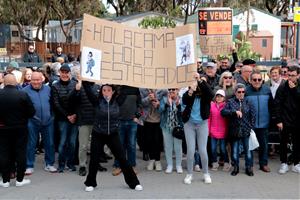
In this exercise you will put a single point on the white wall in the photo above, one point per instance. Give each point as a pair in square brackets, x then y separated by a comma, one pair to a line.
[264, 22]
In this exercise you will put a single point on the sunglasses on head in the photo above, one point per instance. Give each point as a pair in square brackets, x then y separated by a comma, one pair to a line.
[241, 92]
[227, 77]
[172, 89]
[256, 79]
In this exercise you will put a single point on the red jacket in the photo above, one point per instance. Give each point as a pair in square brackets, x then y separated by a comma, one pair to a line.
[217, 125]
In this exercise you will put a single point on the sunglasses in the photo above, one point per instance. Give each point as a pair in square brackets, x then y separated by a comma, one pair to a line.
[171, 89]
[256, 79]
[240, 92]
[227, 77]
[283, 72]
[292, 75]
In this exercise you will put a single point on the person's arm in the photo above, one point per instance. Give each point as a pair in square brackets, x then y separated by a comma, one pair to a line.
[30, 110]
[89, 92]
[235, 60]
[207, 91]
[228, 110]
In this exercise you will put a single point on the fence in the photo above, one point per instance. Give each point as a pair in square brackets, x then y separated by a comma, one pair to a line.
[16, 50]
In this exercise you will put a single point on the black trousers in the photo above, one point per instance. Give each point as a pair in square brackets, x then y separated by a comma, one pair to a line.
[114, 143]
[13, 143]
[284, 139]
[153, 140]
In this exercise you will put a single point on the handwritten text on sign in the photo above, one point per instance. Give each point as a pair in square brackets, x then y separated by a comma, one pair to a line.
[137, 57]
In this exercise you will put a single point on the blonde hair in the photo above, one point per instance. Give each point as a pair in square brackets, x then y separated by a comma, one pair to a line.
[226, 73]
[24, 72]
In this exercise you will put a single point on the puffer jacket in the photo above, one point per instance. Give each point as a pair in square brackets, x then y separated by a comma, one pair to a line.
[63, 104]
[239, 127]
[261, 100]
[217, 124]
[107, 113]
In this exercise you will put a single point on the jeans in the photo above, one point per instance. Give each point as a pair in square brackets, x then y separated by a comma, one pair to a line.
[113, 142]
[214, 144]
[127, 131]
[262, 137]
[196, 133]
[236, 152]
[284, 140]
[67, 143]
[171, 143]
[47, 133]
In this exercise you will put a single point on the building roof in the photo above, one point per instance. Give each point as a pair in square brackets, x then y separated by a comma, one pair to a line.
[258, 34]
[239, 11]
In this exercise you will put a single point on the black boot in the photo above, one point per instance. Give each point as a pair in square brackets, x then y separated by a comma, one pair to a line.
[249, 171]
[235, 171]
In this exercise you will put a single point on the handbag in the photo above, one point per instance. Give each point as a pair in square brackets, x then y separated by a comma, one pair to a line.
[178, 132]
[253, 142]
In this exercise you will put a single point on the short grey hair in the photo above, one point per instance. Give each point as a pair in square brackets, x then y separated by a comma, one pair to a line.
[238, 86]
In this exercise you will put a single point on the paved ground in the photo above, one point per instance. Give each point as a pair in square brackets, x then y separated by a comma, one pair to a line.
[69, 185]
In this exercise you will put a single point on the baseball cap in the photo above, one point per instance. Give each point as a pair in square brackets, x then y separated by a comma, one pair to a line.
[65, 67]
[211, 64]
[220, 92]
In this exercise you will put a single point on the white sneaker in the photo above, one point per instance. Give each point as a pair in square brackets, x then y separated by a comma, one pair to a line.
[215, 166]
[158, 166]
[150, 165]
[89, 188]
[197, 168]
[169, 169]
[29, 171]
[50, 168]
[284, 168]
[138, 188]
[179, 169]
[22, 183]
[5, 185]
[296, 168]
[188, 179]
[207, 178]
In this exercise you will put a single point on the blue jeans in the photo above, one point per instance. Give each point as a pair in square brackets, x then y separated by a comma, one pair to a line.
[236, 152]
[262, 137]
[47, 134]
[171, 143]
[67, 143]
[127, 134]
[214, 144]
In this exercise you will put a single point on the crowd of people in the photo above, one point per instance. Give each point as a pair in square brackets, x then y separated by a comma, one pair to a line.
[210, 121]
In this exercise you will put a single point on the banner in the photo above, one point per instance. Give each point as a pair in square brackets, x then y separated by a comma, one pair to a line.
[215, 30]
[148, 58]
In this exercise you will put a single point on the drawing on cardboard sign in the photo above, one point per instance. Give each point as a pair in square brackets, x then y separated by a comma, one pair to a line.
[184, 50]
[91, 63]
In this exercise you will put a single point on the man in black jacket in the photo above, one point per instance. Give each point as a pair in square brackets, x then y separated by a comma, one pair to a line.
[287, 113]
[15, 110]
[60, 54]
[65, 114]
[31, 56]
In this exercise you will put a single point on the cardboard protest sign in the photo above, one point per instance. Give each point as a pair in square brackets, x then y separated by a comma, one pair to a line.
[117, 54]
[215, 30]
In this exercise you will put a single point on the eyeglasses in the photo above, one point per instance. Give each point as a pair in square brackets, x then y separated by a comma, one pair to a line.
[240, 92]
[172, 89]
[256, 79]
[227, 77]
